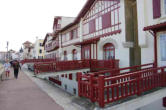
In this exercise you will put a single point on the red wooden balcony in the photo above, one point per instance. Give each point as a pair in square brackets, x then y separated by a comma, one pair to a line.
[107, 87]
[52, 45]
[93, 65]
[98, 65]
[36, 60]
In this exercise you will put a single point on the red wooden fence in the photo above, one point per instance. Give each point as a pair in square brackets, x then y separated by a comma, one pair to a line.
[106, 89]
[76, 64]
[36, 60]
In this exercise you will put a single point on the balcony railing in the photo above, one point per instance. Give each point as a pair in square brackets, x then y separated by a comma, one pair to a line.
[103, 88]
[52, 45]
[36, 60]
[77, 64]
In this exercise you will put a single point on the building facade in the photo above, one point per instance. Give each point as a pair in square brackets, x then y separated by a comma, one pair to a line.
[50, 42]
[38, 49]
[130, 31]
[28, 50]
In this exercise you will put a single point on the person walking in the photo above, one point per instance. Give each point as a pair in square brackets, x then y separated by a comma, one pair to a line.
[7, 68]
[16, 67]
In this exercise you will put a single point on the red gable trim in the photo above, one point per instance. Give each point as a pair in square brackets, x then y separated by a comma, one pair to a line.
[48, 34]
[88, 41]
[156, 27]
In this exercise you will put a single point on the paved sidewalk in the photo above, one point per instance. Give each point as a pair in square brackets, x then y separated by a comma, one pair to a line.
[24, 94]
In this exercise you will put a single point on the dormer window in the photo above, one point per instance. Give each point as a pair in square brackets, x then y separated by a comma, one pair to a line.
[59, 21]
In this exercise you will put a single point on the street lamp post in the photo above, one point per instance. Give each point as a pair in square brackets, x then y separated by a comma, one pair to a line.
[7, 50]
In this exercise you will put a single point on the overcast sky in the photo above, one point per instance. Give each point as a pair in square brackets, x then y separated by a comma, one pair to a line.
[22, 20]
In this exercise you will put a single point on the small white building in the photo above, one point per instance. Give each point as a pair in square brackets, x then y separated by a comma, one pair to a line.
[28, 52]
[51, 43]
[38, 49]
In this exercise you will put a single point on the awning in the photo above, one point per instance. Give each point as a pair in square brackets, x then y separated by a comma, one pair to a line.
[88, 41]
[156, 27]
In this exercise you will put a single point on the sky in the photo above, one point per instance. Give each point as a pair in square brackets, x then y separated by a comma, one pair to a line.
[24, 20]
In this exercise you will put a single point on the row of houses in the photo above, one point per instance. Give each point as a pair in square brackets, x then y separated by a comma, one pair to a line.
[129, 30]
[33, 50]
[132, 32]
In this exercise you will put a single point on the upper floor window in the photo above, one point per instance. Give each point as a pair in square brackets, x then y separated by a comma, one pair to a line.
[163, 47]
[86, 28]
[59, 21]
[65, 55]
[73, 34]
[106, 20]
[98, 23]
[74, 52]
[92, 26]
[40, 44]
[40, 51]
[109, 51]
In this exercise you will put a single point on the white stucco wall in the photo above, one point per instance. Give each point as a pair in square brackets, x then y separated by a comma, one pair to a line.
[66, 20]
[69, 50]
[146, 40]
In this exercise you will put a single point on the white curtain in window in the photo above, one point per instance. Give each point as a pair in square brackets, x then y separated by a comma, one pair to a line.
[163, 47]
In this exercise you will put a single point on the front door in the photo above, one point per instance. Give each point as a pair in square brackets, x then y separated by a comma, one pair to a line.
[162, 50]
[86, 52]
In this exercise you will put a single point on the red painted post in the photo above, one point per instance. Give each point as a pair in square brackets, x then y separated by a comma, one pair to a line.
[79, 83]
[155, 50]
[163, 77]
[101, 90]
[91, 87]
[138, 84]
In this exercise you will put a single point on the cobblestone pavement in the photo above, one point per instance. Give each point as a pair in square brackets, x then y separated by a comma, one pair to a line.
[24, 94]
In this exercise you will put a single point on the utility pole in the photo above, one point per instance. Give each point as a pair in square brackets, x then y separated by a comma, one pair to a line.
[7, 50]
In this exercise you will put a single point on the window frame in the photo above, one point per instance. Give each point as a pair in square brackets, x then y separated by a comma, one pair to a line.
[164, 45]
[65, 55]
[74, 54]
[108, 48]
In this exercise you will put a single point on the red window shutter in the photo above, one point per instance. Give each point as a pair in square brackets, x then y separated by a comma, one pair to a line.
[156, 8]
[70, 76]
[71, 34]
[92, 26]
[66, 75]
[106, 20]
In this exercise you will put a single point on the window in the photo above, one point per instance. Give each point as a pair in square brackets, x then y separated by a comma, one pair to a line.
[40, 51]
[163, 47]
[40, 44]
[156, 9]
[70, 76]
[86, 28]
[92, 26]
[74, 52]
[85, 52]
[65, 55]
[73, 34]
[106, 20]
[109, 51]
[98, 23]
